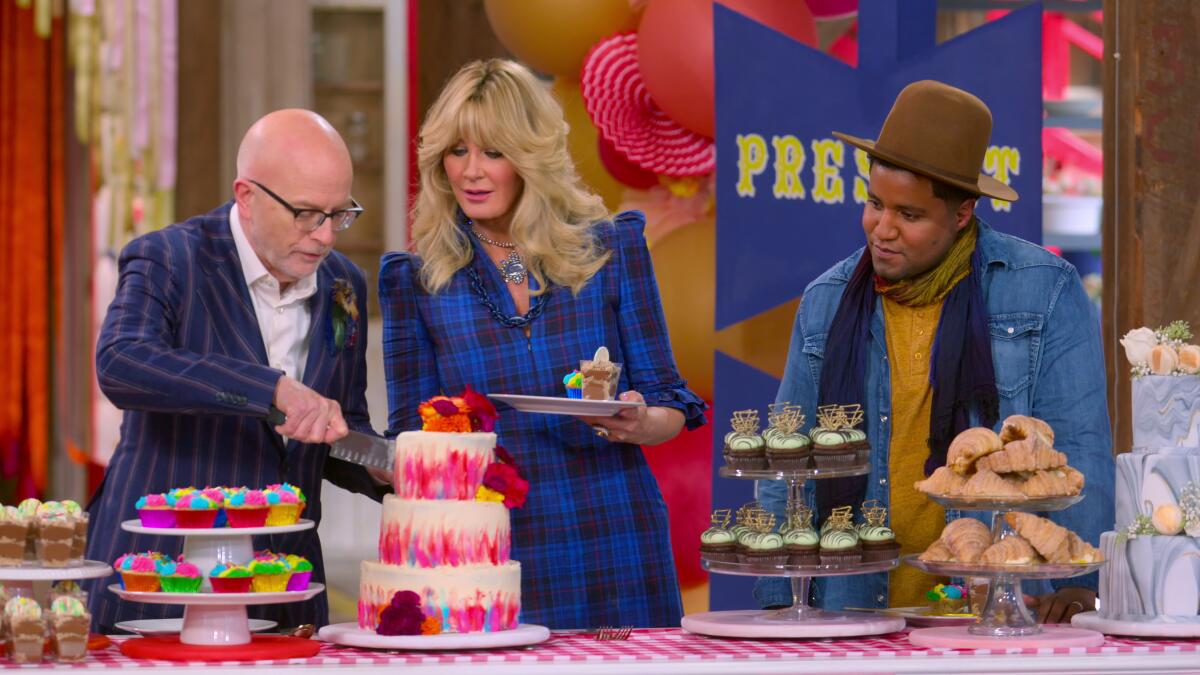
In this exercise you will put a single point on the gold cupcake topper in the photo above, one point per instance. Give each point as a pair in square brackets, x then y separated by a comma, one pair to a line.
[830, 417]
[841, 517]
[874, 513]
[721, 517]
[788, 420]
[745, 513]
[762, 520]
[852, 415]
[745, 421]
[799, 517]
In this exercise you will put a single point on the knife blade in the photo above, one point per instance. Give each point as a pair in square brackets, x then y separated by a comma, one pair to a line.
[365, 449]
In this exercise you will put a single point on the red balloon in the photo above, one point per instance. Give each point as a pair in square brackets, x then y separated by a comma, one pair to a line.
[626, 172]
[675, 51]
[683, 468]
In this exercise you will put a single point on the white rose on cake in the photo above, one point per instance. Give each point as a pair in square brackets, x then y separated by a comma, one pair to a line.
[1138, 344]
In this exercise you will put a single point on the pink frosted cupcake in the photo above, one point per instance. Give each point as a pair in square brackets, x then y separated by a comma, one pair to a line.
[139, 571]
[218, 496]
[286, 501]
[247, 508]
[156, 510]
[194, 510]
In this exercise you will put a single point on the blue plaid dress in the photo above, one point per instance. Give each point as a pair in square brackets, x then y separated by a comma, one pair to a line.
[593, 538]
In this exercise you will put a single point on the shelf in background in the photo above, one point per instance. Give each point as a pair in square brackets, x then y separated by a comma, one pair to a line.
[349, 87]
[1072, 242]
[1087, 122]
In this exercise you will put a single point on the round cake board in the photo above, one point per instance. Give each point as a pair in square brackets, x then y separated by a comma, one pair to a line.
[351, 635]
[754, 623]
[1151, 626]
[261, 648]
[957, 637]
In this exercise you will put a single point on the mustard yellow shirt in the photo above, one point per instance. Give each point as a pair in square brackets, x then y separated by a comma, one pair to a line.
[916, 519]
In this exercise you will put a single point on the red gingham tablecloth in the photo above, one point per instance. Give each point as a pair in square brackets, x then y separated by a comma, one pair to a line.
[666, 644]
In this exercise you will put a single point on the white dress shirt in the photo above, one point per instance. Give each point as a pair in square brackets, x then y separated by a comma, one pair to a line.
[283, 319]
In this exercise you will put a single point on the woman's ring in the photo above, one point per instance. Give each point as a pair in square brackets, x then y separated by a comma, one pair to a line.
[602, 432]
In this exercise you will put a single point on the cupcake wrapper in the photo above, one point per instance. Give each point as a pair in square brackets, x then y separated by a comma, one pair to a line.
[222, 519]
[271, 583]
[252, 517]
[284, 514]
[139, 582]
[180, 584]
[231, 584]
[574, 393]
[195, 518]
[299, 581]
[157, 517]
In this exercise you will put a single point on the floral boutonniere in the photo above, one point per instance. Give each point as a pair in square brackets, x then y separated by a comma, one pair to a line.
[343, 318]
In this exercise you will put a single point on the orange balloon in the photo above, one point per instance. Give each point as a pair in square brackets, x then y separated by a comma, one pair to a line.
[675, 51]
[582, 143]
[685, 262]
[553, 36]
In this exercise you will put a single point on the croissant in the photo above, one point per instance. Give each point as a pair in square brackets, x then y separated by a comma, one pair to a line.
[987, 483]
[1061, 482]
[967, 539]
[942, 481]
[1018, 427]
[937, 552]
[1075, 550]
[1027, 454]
[1045, 535]
[1011, 550]
[969, 446]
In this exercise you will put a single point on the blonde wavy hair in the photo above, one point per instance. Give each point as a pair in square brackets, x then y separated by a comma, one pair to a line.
[500, 105]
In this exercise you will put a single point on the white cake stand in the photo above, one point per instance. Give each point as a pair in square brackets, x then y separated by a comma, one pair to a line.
[1137, 625]
[801, 620]
[351, 635]
[216, 618]
[1005, 621]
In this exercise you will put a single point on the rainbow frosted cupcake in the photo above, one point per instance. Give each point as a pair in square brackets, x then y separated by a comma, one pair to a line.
[230, 578]
[270, 576]
[247, 508]
[286, 501]
[156, 510]
[139, 571]
[179, 577]
[302, 571]
[218, 496]
[573, 381]
[194, 510]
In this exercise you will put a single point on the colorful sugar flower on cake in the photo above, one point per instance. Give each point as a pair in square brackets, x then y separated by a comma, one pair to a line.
[285, 502]
[502, 482]
[403, 616]
[573, 381]
[469, 412]
[194, 510]
[139, 571]
[247, 508]
[179, 576]
[156, 510]
[230, 578]
[270, 576]
[302, 571]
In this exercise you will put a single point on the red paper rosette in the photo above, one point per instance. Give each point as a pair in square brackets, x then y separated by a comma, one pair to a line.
[621, 108]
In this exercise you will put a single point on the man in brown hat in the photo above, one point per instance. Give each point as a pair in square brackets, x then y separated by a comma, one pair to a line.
[939, 324]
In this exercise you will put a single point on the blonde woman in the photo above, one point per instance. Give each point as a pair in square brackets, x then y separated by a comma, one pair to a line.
[518, 274]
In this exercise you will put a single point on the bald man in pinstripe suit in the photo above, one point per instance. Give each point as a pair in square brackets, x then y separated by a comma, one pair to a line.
[216, 320]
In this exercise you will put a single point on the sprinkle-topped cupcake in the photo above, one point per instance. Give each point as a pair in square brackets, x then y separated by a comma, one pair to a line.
[286, 501]
[179, 577]
[156, 509]
[744, 448]
[194, 510]
[270, 576]
[230, 578]
[247, 508]
[139, 571]
[718, 543]
[302, 571]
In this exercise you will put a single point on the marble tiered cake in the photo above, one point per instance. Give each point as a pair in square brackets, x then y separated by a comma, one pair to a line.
[1153, 573]
[445, 535]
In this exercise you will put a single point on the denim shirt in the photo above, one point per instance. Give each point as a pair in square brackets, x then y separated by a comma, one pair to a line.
[1049, 364]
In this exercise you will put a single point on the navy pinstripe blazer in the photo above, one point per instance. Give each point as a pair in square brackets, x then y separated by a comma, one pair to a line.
[181, 353]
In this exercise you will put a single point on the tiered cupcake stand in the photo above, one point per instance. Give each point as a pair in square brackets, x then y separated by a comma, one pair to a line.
[216, 620]
[1005, 621]
[800, 620]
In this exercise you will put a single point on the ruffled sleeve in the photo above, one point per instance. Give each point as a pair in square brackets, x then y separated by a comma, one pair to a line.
[649, 362]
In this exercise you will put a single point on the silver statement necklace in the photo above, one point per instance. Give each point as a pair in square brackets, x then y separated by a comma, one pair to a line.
[512, 268]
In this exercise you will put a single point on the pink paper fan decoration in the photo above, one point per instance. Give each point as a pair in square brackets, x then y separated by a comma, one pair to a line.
[622, 110]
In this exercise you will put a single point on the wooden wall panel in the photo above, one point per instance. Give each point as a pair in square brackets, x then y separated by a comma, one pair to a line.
[198, 188]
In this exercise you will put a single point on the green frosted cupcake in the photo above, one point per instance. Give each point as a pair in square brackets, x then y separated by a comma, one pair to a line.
[178, 577]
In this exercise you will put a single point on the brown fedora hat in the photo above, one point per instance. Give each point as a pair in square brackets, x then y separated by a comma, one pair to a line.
[940, 132]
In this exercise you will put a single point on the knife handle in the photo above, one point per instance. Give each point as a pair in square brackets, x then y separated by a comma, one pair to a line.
[275, 416]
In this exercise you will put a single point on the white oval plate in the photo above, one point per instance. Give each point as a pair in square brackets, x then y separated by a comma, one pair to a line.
[556, 405]
[135, 526]
[152, 627]
[351, 635]
[217, 599]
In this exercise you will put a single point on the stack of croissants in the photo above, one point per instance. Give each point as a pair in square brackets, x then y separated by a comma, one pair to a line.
[1017, 464]
[1033, 540]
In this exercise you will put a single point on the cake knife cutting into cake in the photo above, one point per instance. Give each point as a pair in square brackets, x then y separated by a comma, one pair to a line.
[365, 449]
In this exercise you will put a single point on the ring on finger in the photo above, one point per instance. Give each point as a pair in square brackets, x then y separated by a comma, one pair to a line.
[601, 431]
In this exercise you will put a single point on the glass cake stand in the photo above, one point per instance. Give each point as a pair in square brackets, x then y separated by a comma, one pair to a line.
[1005, 621]
[216, 618]
[801, 620]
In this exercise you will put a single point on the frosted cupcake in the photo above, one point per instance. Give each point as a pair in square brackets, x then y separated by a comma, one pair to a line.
[302, 571]
[156, 510]
[69, 622]
[800, 540]
[573, 382]
[28, 508]
[247, 508]
[218, 495]
[194, 510]
[139, 572]
[718, 542]
[786, 448]
[230, 578]
[179, 577]
[286, 501]
[14, 534]
[270, 576]
[839, 544]
[744, 448]
[27, 629]
[877, 539]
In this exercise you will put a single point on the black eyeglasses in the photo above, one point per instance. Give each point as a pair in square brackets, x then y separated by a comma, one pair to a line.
[309, 220]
